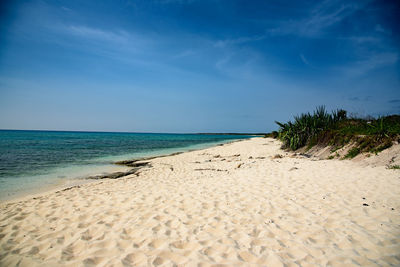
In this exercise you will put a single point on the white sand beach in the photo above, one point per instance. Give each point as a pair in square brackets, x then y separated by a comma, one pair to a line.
[233, 205]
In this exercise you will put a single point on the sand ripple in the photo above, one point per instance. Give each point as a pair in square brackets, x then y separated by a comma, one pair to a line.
[232, 205]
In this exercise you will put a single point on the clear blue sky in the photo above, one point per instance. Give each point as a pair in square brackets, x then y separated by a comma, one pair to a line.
[193, 65]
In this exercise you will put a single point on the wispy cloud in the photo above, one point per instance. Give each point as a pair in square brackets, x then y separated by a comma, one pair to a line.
[151, 52]
[375, 61]
[240, 40]
[95, 33]
[322, 16]
[118, 45]
[175, 1]
[379, 28]
[363, 39]
[185, 53]
[66, 9]
[220, 63]
[304, 59]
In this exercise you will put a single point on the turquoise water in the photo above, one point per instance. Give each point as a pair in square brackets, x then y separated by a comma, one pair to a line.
[32, 160]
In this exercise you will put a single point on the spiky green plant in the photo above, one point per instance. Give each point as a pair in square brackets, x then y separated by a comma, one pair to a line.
[336, 130]
[306, 126]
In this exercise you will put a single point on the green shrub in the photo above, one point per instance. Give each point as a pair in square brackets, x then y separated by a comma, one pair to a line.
[305, 127]
[336, 129]
[352, 153]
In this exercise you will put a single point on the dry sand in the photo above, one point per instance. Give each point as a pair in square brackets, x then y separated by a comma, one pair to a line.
[235, 204]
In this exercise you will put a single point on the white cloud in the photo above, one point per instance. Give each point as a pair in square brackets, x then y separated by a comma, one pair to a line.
[222, 62]
[363, 39]
[379, 28]
[66, 9]
[185, 53]
[324, 15]
[95, 33]
[304, 59]
[240, 40]
[373, 62]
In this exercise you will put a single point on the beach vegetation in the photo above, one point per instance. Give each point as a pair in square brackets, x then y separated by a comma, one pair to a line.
[352, 153]
[336, 129]
[394, 167]
[305, 128]
[273, 134]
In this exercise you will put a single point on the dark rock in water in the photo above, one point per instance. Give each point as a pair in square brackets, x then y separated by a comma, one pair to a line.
[133, 162]
[126, 162]
[139, 164]
[116, 175]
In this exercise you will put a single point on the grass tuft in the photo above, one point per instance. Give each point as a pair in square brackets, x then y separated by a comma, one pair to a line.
[337, 130]
[394, 167]
[352, 153]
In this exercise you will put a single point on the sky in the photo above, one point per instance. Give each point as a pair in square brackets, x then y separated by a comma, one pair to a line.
[187, 66]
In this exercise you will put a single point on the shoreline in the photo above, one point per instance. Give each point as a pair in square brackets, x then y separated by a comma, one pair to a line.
[75, 182]
[239, 204]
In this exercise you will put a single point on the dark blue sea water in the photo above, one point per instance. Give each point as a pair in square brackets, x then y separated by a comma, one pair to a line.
[30, 160]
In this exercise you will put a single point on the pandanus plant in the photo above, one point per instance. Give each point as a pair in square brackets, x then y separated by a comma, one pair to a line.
[306, 126]
[381, 129]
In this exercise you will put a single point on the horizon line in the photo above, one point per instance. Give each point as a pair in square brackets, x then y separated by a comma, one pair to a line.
[93, 131]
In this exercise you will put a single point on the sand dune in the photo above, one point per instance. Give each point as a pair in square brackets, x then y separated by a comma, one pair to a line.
[232, 205]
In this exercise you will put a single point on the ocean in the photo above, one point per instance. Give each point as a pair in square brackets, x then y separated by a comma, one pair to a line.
[31, 161]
